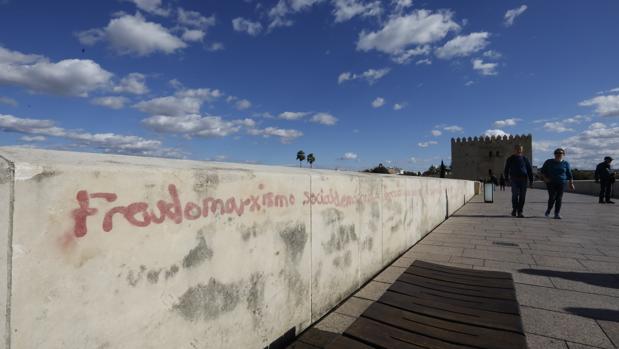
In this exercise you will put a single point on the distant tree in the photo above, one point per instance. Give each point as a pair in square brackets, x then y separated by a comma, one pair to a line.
[300, 157]
[311, 159]
[431, 172]
[443, 170]
[380, 169]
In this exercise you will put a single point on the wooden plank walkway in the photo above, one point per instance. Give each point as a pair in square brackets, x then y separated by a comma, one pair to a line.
[435, 306]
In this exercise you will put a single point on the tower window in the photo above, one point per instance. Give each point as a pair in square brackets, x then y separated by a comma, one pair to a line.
[490, 154]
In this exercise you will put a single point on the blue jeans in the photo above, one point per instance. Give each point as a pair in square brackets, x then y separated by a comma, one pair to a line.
[555, 195]
[519, 194]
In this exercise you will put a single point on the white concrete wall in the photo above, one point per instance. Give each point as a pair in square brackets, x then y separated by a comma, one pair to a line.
[241, 255]
[584, 187]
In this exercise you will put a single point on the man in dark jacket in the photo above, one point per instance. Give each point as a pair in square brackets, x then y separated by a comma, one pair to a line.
[518, 170]
[604, 175]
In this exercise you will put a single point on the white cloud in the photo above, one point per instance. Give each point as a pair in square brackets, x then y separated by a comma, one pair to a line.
[426, 144]
[347, 9]
[216, 46]
[112, 102]
[556, 126]
[8, 101]
[462, 46]
[134, 83]
[371, 75]
[243, 104]
[436, 133]
[134, 35]
[108, 142]
[244, 25]
[188, 101]
[378, 102]
[453, 128]
[71, 77]
[193, 35]
[349, 156]
[506, 122]
[577, 119]
[285, 135]
[401, 5]
[484, 68]
[511, 15]
[196, 125]
[289, 115]
[278, 13]
[604, 105]
[151, 6]
[496, 132]
[469, 83]
[423, 61]
[587, 148]
[33, 138]
[324, 118]
[405, 56]
[417, 28]
[491, 54]
[194, 19]
[399, 106]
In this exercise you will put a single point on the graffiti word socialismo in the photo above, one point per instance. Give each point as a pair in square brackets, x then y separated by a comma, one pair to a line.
[173, 209]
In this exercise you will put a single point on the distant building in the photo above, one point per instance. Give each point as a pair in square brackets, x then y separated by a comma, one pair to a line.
[471, 158]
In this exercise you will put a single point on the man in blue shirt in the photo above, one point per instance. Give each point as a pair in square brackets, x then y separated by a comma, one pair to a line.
[518, 170]
[556, 172]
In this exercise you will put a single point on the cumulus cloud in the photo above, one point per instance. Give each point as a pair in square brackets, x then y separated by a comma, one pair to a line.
[378, 102]
[604, 105]
[510, 16]
[289, 115]
[423, 61]
[462, 46]
[324, 119]
[556, 126]
[194, 19]
[196, 125]
[33, 138]
[242, 104]
[495, 132]
[453, 128]
[484, 68]
[344, 10]
[129, 34]
[426, 144]
[187, 101]
[399, 106]
[241, 24]
[134, 83]
[405, 56]
[420, 27]
[193, 35]
[436, 133]
[151, 6]
[371, 76]
[349, 156]
[8, 101]
[506, 122]
[279, 13]
[401, 5]
[70, 77]
[587, 148]
[491, 54]
[112, 102]
[109, 142]
[285, 135]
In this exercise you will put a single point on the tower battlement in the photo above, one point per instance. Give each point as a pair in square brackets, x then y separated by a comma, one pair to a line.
[473, 157]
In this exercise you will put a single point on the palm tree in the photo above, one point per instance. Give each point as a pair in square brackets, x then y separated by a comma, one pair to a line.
[300, 157]
[311, 159]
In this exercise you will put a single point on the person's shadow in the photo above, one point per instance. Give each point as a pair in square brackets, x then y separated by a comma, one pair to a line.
[607, 280]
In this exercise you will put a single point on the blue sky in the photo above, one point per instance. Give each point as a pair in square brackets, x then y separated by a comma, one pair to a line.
[356, 82]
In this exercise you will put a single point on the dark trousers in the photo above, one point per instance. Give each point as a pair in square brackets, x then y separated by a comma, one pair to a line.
[555, 195]
[605, 189]
[519, 194]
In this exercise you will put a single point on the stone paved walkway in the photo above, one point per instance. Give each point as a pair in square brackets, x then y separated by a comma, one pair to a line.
[566, 271]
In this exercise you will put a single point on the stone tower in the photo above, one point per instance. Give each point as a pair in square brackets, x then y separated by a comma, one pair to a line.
[471, 158]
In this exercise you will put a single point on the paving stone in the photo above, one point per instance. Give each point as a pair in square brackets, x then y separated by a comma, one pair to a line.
[519, 277]
[443, 250]
[466, 260]
[540, 342]
[562, 300]
[390, 274]
[550, 261]
[611, 328]
[354, 306]
[498, 256]
[403, 262]
[550, 247]
[430, 257]
[601, 266]
[373, 290]
[335, 323]
[571, 345]
[565, 326]
[598, 283]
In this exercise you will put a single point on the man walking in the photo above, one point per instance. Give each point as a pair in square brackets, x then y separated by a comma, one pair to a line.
[518, 170]
[604, 175]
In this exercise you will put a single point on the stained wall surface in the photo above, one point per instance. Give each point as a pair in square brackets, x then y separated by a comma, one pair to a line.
[104, 251]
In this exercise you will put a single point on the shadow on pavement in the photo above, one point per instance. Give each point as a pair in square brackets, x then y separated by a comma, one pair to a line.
[597, 279]
[597, 314]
